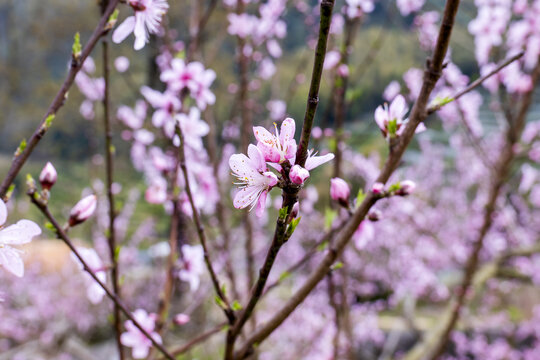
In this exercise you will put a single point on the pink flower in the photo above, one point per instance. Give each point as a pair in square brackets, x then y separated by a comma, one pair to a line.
[279, 147]
[134, 118]
[20, 233]
[391, 118]
[339, 190]
[254, 179]
[94, 291]
[167, 105]
[146, 21]
[135, 339]
[298, 174]
[192, 265]
[193, 128]
[82, 210]
[364, 234]
[156, 193]
[409, 6]
[48, 176]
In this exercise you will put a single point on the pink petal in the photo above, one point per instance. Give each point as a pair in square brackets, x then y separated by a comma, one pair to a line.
[20, 233]
[246, 196]
[261, 204]
[398, 108]
[264, 136]
[380, 117]
[256, 157]
[288, 128]
[123, 30]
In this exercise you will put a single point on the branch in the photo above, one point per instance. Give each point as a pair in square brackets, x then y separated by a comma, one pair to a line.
[478, 82]
[117, 301]
[327, 6]
[200, 229]
[109, 183]
[58, 101]
[418, 114]
[198, 339]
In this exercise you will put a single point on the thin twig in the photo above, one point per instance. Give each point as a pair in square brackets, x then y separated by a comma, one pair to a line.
[117, 301]
[58, 101]
[200, 229]
[109, 167]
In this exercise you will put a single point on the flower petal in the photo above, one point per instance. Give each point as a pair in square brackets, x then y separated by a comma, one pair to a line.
[123, 30]
[313, 161]
[247, 196]
[261, 204]
[20, 233]
[10, 260]
[256, 157]
[288, 128]
[3, 212]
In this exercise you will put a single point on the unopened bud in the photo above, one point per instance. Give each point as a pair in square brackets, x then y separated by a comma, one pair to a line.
[340, 191]
[181, 319]
[82, 210]
[48, 176]
[295, 210]
[298, 174]
[374, 215]
[407, 187]
[377, 188]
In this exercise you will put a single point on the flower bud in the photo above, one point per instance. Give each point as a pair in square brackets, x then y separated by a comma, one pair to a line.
[374, 215]
[407, 187]
[82, 210]
[181, 319]
[377, 188]
[298, 174]
[340, 191]
[48, 176]
[295, 210]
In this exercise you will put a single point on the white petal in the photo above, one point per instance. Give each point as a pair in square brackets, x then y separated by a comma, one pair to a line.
[313, 161]
[3, 212]
[20, 233]
[123, 30]
[10, 260]
[247, 196]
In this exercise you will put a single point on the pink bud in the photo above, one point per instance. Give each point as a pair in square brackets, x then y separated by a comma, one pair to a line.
[343, 70]
[298, 174]
[82, 210]
[377, 188]
[407, 187]
[295, 210]
[339, 190]
[181, 319]
[48, 176]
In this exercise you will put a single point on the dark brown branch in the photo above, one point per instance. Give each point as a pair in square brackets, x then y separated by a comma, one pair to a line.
[117, 301]
[58, 101]
[109, 172]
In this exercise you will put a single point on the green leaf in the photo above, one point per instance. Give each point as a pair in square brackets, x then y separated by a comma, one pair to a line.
[9, 191]
[322, 246]
[76, 49]
[394, 187]
[392, 127]
[117, 252]
[283, 213]
[236, 305]
[360, 197]
[284, 275]
[329, 216]
[441, 101]
[49, 120]
[30, 181]
[21, 148]
[50, 226]
[220, 302]
[292, 226]
[337, 265]
[112, 19]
